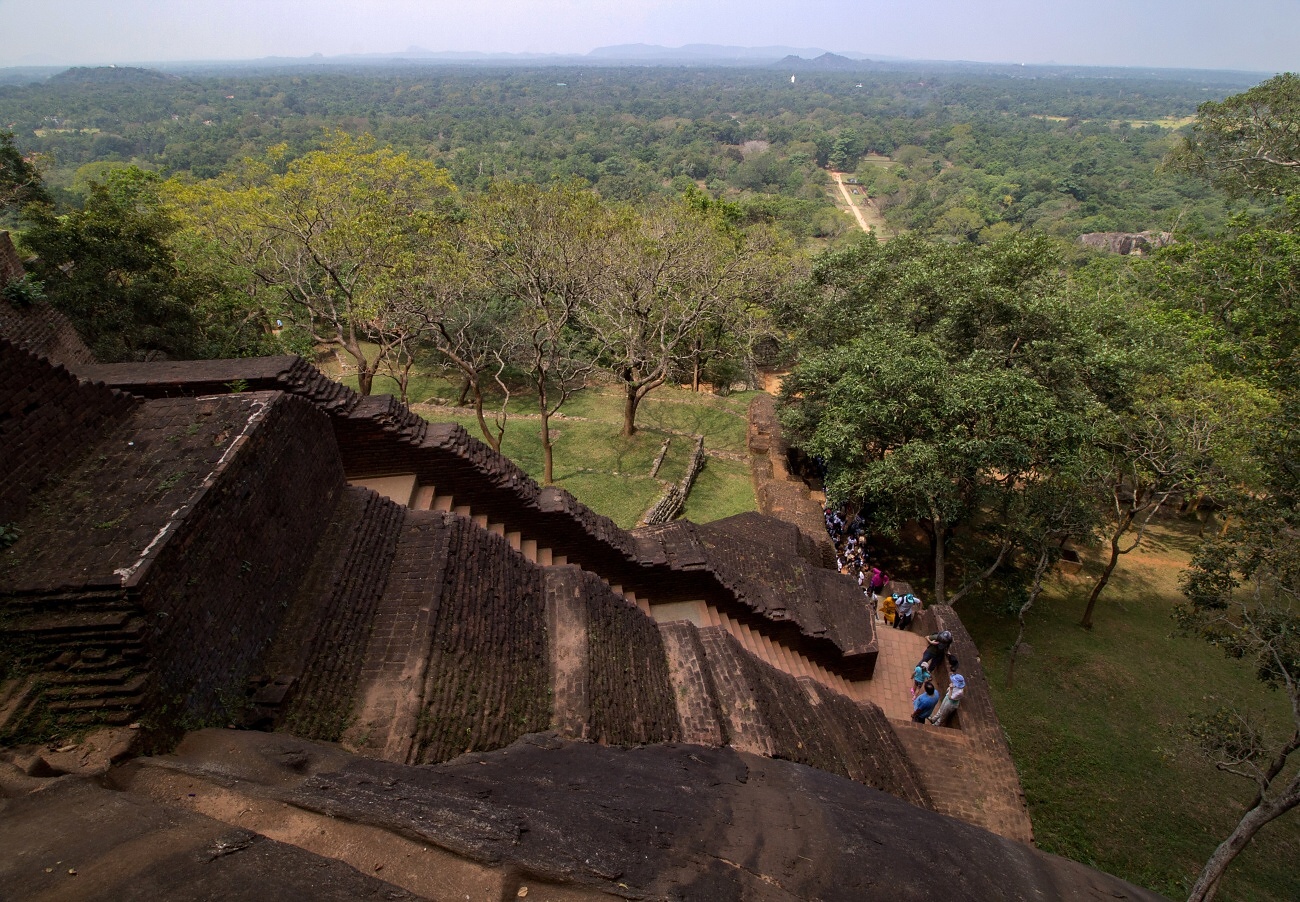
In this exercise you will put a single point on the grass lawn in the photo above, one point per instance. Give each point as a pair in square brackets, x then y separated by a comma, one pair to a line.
[1096, 722]
[604, 469]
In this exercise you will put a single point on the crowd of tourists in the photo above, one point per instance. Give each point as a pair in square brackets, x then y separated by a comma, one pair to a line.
[898, 609]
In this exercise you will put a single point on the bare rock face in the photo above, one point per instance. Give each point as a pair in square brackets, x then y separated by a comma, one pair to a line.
[1127, 243]
[237, 815]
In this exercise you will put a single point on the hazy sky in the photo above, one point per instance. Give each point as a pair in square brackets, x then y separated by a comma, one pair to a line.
[1261, 35]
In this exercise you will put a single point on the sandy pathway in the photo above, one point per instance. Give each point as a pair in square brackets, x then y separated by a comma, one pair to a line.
[857, 214]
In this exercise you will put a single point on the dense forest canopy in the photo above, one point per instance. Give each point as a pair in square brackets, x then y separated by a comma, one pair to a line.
[533, 232]
[977, 151]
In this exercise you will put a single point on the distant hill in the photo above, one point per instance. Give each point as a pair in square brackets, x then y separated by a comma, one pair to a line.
[827, 62]
[700, 53]
[110, 75]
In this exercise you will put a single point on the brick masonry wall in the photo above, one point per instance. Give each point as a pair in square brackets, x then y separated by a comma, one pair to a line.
[781, 716]
[47, 418]
[218, 589]
[696, 696]
[487, 681]
[320, 648]
[631, 694]
[377, 436]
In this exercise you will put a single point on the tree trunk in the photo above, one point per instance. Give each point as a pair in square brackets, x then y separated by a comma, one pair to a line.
[1207, 884]
[1118, 534]
[548, 459]
[365, 380]
[494, 441]
[630, 403]
[937, 540]
[465, 386]
[1039, 571]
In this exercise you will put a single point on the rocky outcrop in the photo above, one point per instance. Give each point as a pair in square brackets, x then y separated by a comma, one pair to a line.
[1134, 243]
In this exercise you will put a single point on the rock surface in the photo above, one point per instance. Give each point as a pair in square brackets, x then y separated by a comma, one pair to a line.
[253, 815]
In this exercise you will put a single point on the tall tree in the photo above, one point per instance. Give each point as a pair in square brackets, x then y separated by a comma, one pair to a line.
[20, 178]
[1243, 590]
[1184, 437]
[955, 374]
[1250, 142]
[543, 249]
[111, 268]
[674, 278]
[326, 231]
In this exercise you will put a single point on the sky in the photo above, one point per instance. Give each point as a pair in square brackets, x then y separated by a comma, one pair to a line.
[1255, 35]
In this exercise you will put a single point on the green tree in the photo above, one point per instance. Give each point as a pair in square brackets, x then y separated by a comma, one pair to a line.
[1250, 142]
[673, 278]
[955, 374]
[1185, 436]
[1243, 591]
[321, 237]
[111, 268]
[20, 179]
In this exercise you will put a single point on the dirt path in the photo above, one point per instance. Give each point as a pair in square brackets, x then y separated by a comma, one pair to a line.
[869, 218]
[853, 208]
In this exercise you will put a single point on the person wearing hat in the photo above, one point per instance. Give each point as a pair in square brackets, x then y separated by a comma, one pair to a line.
[952, 698]
[937, 648]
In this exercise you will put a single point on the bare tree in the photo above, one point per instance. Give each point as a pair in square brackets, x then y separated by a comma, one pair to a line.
[543, 249]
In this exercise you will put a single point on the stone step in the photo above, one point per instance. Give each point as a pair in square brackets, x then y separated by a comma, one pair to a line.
[99, 702]
[74, 681]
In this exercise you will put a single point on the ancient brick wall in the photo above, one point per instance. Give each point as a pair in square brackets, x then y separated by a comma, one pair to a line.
[47, 418]
[314, 667]
[623, 668]
[218, 588]
[773, 713]
[377, 436]
[487, 680]
[779, 494]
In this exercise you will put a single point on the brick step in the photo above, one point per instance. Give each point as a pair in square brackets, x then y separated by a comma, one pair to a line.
[127, 703]
[77, 621]
[127, 687]
[86, 636]
[114, 718]
[75, 680]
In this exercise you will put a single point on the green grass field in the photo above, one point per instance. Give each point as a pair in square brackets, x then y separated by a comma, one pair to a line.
[1097, 725]
[610, 472]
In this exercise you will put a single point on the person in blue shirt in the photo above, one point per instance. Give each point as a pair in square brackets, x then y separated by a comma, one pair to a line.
[919, 677]
[924, 703]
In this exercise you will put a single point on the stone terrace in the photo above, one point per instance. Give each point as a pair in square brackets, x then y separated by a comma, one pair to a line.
[473, 606]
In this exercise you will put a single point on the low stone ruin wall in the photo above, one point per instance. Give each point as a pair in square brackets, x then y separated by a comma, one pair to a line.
[780, 494]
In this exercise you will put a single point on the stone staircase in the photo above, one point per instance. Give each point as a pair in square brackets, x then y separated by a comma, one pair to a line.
[81, 660]
[316, 661]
